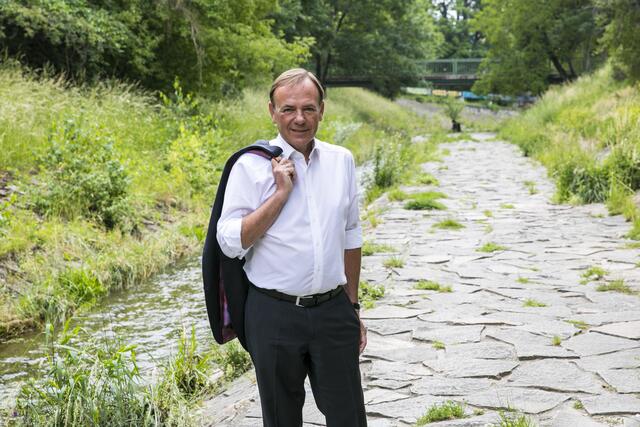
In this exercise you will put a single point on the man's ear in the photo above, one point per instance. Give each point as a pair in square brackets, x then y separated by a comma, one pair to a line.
[321, 110]
[272, 111]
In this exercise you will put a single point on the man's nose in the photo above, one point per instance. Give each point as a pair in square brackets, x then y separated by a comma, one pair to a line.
[299, 116]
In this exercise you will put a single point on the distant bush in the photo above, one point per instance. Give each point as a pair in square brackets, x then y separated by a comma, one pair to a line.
[81, 176]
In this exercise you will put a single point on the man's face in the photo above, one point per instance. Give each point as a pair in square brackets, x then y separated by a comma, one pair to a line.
[296, 111]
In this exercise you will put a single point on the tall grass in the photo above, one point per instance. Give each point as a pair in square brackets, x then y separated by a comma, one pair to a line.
[588, 136]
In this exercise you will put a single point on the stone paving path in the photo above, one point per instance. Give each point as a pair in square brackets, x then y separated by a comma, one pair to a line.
[494, 352]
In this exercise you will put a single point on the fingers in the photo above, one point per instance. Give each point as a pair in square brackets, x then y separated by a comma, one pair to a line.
[363, 337]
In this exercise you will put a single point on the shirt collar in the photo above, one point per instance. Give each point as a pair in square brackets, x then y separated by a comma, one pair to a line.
[288, 150]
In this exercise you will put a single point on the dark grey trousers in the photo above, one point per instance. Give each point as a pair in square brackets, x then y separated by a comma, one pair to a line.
[287, 343]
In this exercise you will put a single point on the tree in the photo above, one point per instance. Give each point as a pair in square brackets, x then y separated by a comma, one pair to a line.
[621, 19]
[381, 40]
[530, 39]
[453, 20]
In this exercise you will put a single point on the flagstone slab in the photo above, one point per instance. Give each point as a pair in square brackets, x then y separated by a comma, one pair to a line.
[611, 404]
[391, 312]
[597, 319]
[405, 410]
[623, 380]
[391, 326]
[481, 350]
[630, 330]
[377, 395]
[529, 345]
[571, 418]
[627, 359]
[555, 375]
[483, 420]
[592, 343]
[527, 400]
[460, 367]
[440, 386]
[449, 335]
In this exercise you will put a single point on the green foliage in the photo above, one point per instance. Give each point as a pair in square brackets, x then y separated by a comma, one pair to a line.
[425, 201]
[530, 39]
[427, 179]
[454, 22]
[369, 248]
[393, 262]
[523, 280]
[232, 359]
[593, 273]
[531, 186]
[216, 47]
[430, 285]
[530, 302]
[621, 18]
[491, 247]
[578, 324]
[87, 385]
[453, 108]
[617, 285]
[578, 405]
[368, 294]
[397, 195]
[556, 340]
[507, 206]
[81, 176]
[448, 410]
[348, 35]
[513, 419]
[448, 224]
[438, 345]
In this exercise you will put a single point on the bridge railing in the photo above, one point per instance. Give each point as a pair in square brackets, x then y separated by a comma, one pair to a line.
[450, 67]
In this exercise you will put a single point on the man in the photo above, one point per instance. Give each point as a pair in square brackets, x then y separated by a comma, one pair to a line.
[295, 221]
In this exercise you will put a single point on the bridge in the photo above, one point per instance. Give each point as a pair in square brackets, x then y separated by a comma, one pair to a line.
[453, 74]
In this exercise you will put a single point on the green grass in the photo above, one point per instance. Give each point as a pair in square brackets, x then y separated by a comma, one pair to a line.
[429, 285]
[529, 302]
[556, 340]
[578, 405]
[513, 419]
[426, 179]
[448, 224]
[571, 128]
[617, 285]
[426, 201]
[491, 247]
[507, 206]
[487, 213]
[396, 195]
[393, 262]
[593, 273]
[579, 324]
[531, 186]
[448, 410]
[368, 294]
[523, 280]
[370, 248]
[438, 345]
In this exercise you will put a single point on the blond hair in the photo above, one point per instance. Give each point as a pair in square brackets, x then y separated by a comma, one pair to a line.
[293, 77]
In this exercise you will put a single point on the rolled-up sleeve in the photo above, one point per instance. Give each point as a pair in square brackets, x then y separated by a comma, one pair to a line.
[240, 199]
[353, 230]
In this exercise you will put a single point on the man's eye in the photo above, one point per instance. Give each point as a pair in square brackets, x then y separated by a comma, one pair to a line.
[310, 110]
[287, 110]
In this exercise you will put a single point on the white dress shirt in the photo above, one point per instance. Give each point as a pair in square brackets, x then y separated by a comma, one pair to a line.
[302, 253]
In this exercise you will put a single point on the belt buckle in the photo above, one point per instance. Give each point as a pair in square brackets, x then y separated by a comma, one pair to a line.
[298, 301]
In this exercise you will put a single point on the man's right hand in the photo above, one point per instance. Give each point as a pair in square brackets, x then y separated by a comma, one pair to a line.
[284, 173]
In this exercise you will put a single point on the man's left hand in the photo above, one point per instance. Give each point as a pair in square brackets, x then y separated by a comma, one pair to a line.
[363, 336]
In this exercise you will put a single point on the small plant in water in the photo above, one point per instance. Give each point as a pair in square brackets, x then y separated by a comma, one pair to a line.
[393, 262]
[448, 410]
[529, 302]
[491, 247]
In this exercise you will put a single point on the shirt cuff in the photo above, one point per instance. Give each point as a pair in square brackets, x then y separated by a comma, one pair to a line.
[228, 236]
[353, 238]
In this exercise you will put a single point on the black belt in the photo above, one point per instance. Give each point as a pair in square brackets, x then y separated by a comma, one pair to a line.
[306, 301]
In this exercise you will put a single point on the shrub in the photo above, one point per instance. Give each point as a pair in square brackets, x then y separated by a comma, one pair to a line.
[82, 177]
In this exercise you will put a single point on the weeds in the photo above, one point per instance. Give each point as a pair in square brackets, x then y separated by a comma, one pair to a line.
[556, 340]
[393, 262]
[579, 324]
[490, 247]
[531, 186]
[427, 179]
[397, 195]
[507, 206]
[425, 201]
[438, 345]
[448, 224]
[530, 302]
[448, 410]
[368, 294]
[513, 420]
[488, 213]
[617, 285]
[370, 248]
[429, 285]
[578, 405]
[523, 280]
[594, 273]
